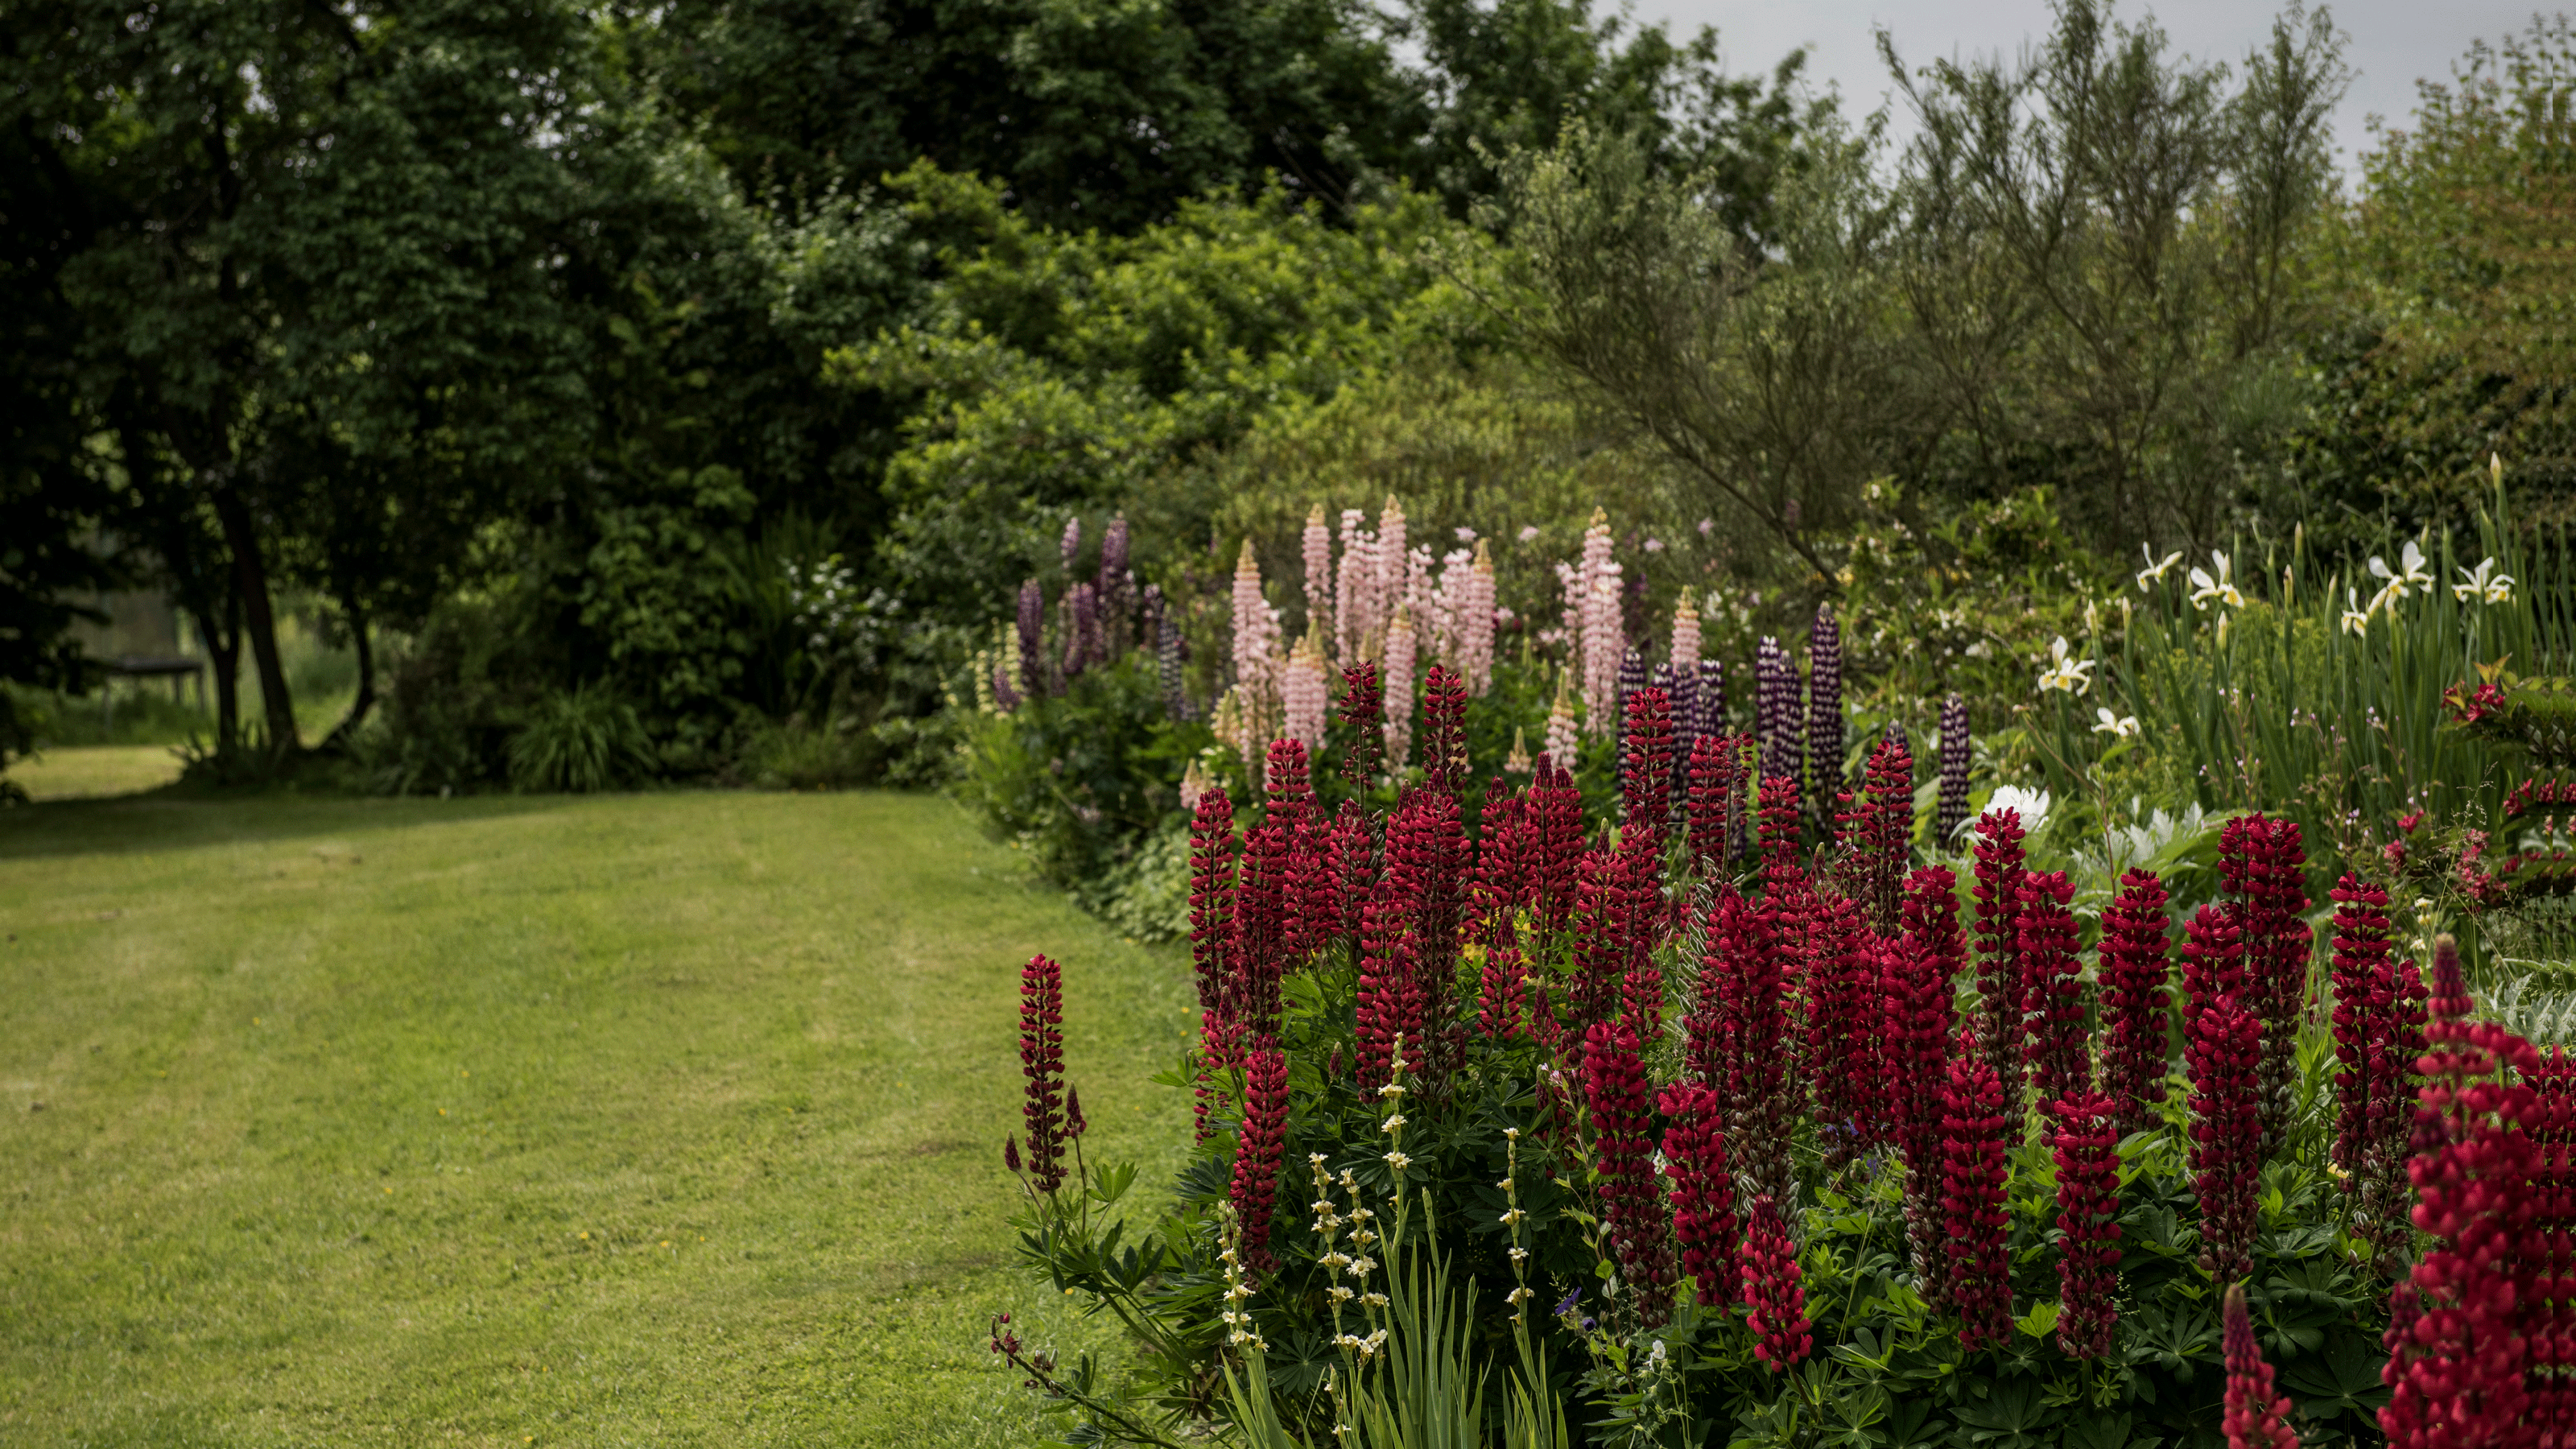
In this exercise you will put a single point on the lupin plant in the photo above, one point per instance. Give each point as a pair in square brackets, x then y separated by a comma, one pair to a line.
[1786, 1149]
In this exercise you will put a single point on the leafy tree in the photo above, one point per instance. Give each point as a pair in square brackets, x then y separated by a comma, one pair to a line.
[2453, 344]
[2101, 260]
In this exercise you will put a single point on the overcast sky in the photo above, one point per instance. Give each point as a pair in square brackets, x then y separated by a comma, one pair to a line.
[2393, 41]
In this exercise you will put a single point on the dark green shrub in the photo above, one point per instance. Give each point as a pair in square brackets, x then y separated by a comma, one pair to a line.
[580, 741]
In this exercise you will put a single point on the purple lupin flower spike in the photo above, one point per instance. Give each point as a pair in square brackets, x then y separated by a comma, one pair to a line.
[1776, 722]
[1952, 810]
[1032, 621]
[1670, 682]
[1824, 776]
[1895, 734]
[1080, 627]
[1117, 588]
[1167, 655]
[1072, 544]
[1709, 699]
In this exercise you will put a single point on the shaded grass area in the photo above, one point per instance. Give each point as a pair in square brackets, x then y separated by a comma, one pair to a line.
[665, 1119]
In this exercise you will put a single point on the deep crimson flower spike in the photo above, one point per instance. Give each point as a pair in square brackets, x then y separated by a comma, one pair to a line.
[2213, 961]
[1600, 941]
[1615, 1091]
[1444, 731]
[1703, 1189]
[1717, 777]
[1355, 852]
[1879, 831]
[2084, 1137]
[2457, 1358]
[1749, 1019]
[2256, 1417]
[1386, 994]
[1778, 1304]
[1262, 939]
[1843, 1031]
[1363, 706]
[2262, 864]
[1257, 1150]
[1556, 808]
[1212, 881]
[2226, 1136]
[2132, 966]
[1998, 935]
[1639, 869]
[1647, 781]
[2057, 1050]
[1042, 1062]
[1977, 1267]
[2378, 1036]
[1915, 983]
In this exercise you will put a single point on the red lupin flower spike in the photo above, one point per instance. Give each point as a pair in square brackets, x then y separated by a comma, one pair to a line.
[1600, 940]
[1641, 921]
[1915, 985]
[1703, 1189]
[1977, 1267]
[1556, 808]
[1363, 705]
[1212, 939]
[2057, 1049]
[1257, 1150]
[1842, 1030]
[2084, 1137]
[2545, 1290]
[2132, 967]
[1354, 851]
[2213, 961]
[1261, 934]
[1646, 779]
[1744, 962]
[1615, 1091]
[2262, 864]
[2226, 1136]
[1444, 732]
[1998, 933]
[1716, 792]
[1879, 832]
[2256, 1416]
[1042, 1062]
[2457, 1363]
[1778, 1317]
[1386, 993]
[2375, 1051]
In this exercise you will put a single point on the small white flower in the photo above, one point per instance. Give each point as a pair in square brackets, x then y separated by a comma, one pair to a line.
[2409, 576]
[1375, 1300]
[1391, 1089]
[1398, 1161]
[1466, 534]
[2114, 725]
[1341, 1294]
[2356, 619]
[1518, 1295]
[2154, 572]
[1512, 1218]
[2073, 675]
[2222, 588]
[2483, 585]
[1520, 1255]
[1528, 531]
[1394, 1123]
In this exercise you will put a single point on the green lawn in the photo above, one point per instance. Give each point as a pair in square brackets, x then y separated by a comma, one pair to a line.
[665, 1119]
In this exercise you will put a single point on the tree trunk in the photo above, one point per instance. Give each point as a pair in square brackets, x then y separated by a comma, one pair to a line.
[250, 580]
[366, 700]
[223, 649]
